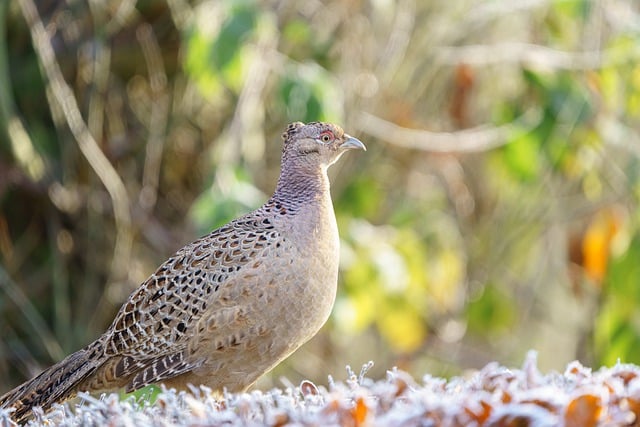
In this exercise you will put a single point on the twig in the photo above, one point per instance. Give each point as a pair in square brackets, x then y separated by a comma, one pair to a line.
[31, 314]
[86, 142]
[125, 11]
[181, 13]
[470, 140]
[532, 55]
[398, 42]
[158, 116]
[21, 144]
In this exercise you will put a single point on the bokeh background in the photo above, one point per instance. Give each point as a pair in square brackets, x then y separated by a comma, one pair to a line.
[495, 211]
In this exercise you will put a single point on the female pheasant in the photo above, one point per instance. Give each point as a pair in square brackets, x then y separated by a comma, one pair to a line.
[228, 307]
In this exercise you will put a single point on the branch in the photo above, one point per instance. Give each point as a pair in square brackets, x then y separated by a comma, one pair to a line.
[532, 55]
[63, 94]
[37, 323]
[158, 116]
[21, 144]
[481, 138]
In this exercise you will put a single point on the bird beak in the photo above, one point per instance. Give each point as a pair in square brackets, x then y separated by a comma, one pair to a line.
[351, 143]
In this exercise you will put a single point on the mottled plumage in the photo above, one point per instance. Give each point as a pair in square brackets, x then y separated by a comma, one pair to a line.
[229, 306]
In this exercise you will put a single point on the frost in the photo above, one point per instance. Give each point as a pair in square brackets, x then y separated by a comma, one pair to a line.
[493, 396]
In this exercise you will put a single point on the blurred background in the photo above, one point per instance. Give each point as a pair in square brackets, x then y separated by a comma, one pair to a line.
[495, 211]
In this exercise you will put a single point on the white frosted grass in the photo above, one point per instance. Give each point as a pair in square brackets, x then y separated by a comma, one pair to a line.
[492, 396]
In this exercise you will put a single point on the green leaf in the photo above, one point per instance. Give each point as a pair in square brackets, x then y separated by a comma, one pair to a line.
[217, 59]
[215, 207]
[309, 93]
[521, 156]
[361, 198]
[233, 33]
[617, 327]
[491, 312]
[297, 32]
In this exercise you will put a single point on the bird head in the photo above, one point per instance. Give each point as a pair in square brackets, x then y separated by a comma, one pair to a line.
[317, 144]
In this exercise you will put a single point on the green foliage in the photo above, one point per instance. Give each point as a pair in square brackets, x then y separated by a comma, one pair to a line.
[617, 330]
[491, 312]
[218, 206]
[362, 198]
[217, 58]
[309, 94]
[521, 156]
[147, 395]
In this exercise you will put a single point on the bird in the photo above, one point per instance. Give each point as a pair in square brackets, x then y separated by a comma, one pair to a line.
[227, 307]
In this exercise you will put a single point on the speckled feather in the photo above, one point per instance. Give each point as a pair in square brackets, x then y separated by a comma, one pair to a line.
[229, 306]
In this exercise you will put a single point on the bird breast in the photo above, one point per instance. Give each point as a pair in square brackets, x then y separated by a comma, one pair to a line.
[314, 243]
[277, 306]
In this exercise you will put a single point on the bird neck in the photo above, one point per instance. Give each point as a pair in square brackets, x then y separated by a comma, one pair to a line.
[300, 185]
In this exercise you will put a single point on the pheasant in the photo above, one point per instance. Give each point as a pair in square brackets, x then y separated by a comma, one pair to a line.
[228, 307]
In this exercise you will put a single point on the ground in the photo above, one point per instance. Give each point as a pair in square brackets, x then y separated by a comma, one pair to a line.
[492, 396]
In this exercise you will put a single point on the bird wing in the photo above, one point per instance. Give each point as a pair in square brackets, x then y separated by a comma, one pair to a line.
[150, 334]
[152, 371]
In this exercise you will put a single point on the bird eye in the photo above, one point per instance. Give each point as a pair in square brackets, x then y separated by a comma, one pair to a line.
[326, 137]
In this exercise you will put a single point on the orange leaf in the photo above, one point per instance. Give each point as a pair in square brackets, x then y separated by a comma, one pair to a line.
[280, 420]
[634, 406]
[596, 243]
[479, 415]
[359, 412]
[583, 411]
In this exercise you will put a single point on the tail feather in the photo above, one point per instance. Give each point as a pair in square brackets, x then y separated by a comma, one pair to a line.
[54, 384]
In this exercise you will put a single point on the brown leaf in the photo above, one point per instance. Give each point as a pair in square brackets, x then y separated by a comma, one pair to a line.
[401, 387]
[545, 404]
[479, 414]
[307, 388]
[627, 375]
[281, 420]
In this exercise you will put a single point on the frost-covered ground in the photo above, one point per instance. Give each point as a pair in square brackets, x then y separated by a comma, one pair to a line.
[493, 396]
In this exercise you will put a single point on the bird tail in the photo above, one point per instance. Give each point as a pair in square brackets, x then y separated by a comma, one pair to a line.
[56, 383]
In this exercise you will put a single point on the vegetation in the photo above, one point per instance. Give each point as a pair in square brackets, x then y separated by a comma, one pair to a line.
[493, 396]
[496, 208]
